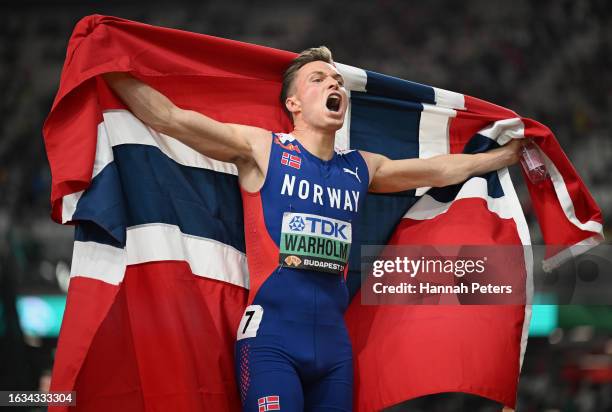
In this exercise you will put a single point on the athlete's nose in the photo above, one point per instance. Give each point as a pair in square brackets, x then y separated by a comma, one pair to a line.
[334, 84]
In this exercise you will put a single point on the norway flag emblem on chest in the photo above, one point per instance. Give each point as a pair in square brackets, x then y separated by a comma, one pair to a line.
[291, 160]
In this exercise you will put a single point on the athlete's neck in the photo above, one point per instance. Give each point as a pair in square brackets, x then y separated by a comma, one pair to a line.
[318, 142]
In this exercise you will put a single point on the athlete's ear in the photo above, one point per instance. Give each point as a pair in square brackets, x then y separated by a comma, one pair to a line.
[293, 104]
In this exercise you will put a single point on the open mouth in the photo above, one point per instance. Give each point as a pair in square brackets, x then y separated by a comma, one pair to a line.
[333, 102]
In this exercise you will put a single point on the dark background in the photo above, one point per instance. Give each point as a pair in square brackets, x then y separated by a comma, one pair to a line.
[548, 60]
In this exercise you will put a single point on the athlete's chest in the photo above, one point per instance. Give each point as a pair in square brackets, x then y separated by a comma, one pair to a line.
[334, 186]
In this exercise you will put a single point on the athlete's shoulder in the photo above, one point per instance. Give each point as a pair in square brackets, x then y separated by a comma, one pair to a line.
[352, 159]
[343, 152]
[283, 137]
[286, 142]
[350, 155]
[372, 159]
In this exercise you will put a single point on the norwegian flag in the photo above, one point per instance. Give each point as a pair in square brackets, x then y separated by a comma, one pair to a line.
[268, 403]
[159, 245]
[291, 160]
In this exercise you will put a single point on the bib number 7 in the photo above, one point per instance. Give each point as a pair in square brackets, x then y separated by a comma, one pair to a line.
[249, 324]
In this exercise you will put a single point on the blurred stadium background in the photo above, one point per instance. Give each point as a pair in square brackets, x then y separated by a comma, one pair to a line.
[548, 60]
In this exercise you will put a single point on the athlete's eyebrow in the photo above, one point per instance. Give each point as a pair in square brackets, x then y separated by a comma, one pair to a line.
[336, 76]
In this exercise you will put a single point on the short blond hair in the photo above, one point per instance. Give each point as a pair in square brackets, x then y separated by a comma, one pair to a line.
[310, 55]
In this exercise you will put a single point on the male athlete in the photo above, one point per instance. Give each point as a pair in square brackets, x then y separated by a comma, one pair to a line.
[300, 197]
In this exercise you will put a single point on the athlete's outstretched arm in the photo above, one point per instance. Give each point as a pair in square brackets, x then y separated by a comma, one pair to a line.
[222, 141]
[388, 175]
